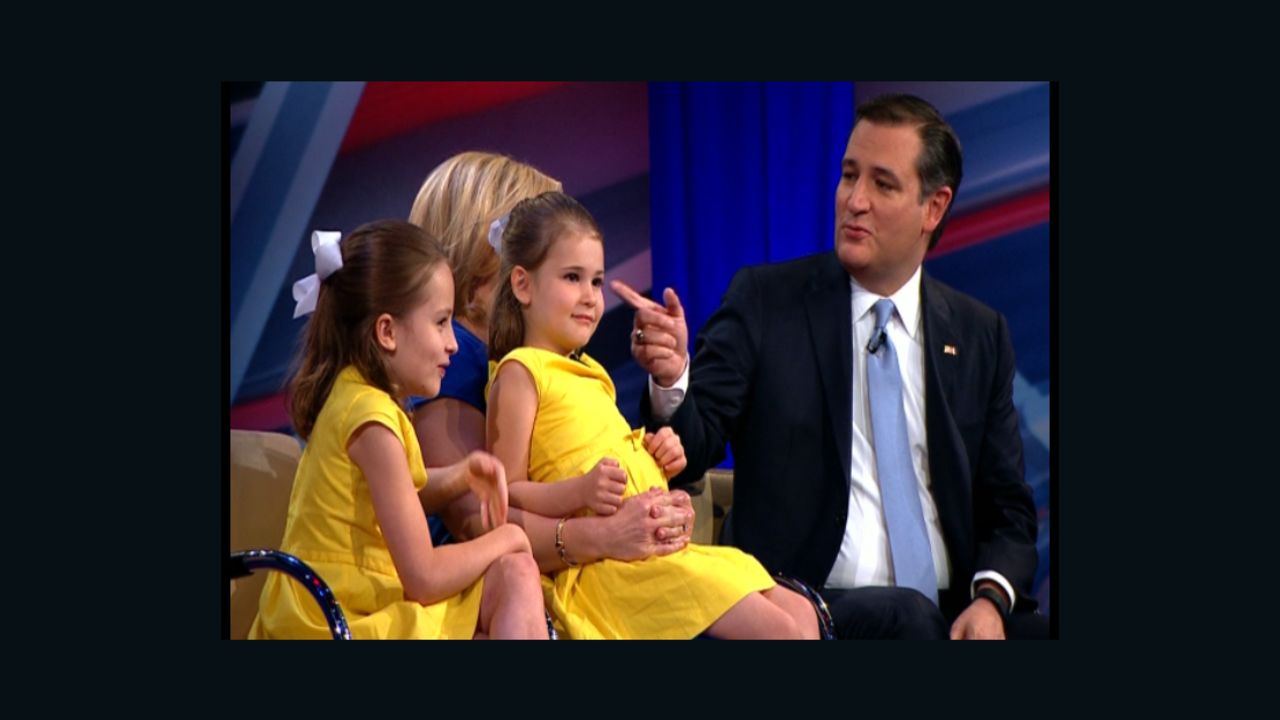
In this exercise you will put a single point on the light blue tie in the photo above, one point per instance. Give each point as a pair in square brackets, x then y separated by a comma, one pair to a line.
[908, 540]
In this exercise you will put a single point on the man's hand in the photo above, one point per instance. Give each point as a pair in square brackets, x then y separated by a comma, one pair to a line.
[980, 621]
[659, 335]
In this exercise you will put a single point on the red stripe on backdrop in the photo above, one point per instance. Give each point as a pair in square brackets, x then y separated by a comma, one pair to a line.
[270, 413]
[993, 222]
[388, 109]
[267, 413]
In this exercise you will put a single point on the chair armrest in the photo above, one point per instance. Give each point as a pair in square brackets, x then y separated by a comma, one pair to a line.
[826, 626]
[240, 564]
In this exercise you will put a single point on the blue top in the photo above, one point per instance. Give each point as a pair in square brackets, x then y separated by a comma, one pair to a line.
[467, 375]
[465, 379]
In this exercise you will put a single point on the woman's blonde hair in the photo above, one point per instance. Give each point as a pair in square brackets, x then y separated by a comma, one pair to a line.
[457, 203]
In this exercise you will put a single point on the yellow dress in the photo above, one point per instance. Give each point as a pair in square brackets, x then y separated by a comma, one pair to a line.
[332, 527]
[675, 596]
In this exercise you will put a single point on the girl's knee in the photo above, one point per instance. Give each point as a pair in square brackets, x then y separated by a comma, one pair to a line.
[807, 624]
[800, 611]
[517, 570]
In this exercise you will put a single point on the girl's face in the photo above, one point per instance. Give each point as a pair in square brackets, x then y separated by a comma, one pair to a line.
[419, 343]
[566, 294]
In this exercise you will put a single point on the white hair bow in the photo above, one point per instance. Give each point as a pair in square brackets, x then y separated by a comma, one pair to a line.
[496, 228]
[324, 243]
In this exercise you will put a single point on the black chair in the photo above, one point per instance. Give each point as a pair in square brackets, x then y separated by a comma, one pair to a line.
[242, 564]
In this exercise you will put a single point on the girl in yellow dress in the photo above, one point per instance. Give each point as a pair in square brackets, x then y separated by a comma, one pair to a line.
[463, 203]
[383, 299]
[554, 423]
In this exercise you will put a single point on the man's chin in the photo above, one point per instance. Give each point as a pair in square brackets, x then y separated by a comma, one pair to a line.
[852, 258]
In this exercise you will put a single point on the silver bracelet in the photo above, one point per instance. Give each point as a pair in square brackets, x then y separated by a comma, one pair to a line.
[564, 556]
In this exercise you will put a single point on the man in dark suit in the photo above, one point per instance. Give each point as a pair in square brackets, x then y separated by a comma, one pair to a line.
[870, 408]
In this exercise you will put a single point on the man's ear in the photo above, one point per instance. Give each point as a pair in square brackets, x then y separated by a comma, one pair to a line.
[520, 280]
[384, 331]
[936, 207]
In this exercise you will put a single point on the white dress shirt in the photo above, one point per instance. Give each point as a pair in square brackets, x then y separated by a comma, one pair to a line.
[864, 557]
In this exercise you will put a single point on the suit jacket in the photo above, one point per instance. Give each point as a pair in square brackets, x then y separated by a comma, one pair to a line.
[772, 373]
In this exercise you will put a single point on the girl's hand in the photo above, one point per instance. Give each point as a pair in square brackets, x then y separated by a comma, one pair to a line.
[487, 478]
[602, 487]
[666, 448]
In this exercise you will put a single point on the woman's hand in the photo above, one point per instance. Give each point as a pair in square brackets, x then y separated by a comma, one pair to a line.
[487, 478]
[652, 523]
[676, 507]
[602, 487]
[666, 448]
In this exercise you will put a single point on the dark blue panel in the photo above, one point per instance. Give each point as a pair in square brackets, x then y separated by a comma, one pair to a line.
[1011, 274]
[622, 211]
[1006, 147]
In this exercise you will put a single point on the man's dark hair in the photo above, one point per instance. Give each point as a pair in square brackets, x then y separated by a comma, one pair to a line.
[940, 162]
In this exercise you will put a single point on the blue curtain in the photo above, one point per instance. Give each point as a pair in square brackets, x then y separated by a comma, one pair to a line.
[740, 174]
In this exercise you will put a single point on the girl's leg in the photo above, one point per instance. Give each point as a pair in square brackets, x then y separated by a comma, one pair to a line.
[798, 608]
[754, 618]
[777, 613]
[511, 604]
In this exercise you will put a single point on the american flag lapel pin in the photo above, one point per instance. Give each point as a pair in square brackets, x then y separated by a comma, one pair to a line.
[948, 349]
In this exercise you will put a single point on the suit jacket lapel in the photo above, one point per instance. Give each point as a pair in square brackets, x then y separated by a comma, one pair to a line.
[948, 461]
[831, 331]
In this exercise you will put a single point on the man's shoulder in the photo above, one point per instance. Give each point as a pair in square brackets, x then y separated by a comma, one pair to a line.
[801, 267]
[791, 275]
[959, 305]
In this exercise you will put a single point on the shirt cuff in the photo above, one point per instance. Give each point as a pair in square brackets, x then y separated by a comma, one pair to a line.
[664, 402]
[999, 580]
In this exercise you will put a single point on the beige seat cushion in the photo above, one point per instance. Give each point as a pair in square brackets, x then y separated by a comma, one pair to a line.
[262, 469]
[720, 488]
[700, 498]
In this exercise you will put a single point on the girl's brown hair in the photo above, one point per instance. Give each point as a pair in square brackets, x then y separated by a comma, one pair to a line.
[385, 269]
